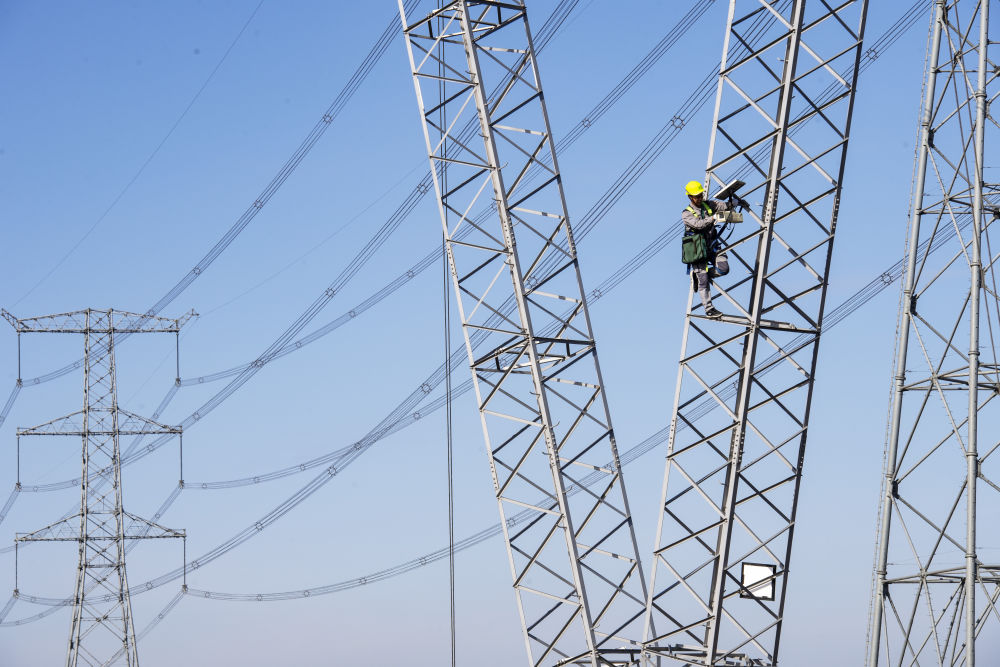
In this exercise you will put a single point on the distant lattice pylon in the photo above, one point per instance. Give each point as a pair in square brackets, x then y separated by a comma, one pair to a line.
[102, 629]
[935, 596]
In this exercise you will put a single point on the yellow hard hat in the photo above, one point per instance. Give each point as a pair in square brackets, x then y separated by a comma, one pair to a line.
[694, 188]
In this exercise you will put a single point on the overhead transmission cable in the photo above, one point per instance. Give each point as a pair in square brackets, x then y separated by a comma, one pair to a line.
[836, 316]
[258, 366]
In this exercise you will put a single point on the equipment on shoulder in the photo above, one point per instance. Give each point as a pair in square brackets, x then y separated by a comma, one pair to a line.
[728, 194]
[694, 188]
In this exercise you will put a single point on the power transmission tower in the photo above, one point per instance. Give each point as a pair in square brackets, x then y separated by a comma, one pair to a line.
[558, 481]
[102, 628]
[933, 593]
[741, 413]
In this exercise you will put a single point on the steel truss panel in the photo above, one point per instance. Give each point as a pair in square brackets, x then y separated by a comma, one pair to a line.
[577, 577]
[741, 413]
[936, 589]
[102, 629]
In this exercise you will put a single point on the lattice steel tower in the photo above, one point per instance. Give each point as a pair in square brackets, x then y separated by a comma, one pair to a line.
[571, 543]
[102, 630]
[935, 589]
[741, 414]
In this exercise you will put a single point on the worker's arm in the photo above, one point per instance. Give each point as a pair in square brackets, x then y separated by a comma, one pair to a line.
[701, 223]
[697, 222]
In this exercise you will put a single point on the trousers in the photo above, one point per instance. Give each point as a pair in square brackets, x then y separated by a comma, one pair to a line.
[702, 274]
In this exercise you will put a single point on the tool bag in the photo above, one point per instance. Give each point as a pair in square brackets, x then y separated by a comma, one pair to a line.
[694, 248]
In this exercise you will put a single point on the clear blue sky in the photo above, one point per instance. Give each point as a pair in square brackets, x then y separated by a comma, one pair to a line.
[90, 93]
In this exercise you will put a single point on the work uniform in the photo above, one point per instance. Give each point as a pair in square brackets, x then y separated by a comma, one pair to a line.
[701, 221]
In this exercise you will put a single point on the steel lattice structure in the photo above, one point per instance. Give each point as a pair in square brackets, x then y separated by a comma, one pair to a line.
[934, 594]
[102, 630]
[577, 577]
[745, 382]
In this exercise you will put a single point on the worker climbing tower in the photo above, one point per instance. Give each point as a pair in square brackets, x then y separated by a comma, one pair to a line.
[558, 480]
[102, 631]
[741, 413]
[936, 588]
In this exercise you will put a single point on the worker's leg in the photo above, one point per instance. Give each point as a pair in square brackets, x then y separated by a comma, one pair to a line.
[703, 285]
[721, 267]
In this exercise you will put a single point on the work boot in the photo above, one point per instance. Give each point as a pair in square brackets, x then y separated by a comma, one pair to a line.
[711, 311]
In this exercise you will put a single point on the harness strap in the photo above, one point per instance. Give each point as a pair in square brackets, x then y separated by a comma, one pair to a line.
[705, 206]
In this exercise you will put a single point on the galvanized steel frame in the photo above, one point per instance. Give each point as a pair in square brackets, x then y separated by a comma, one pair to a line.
[102, 629]
[933, 594]
[732, 477]
[577, 577]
